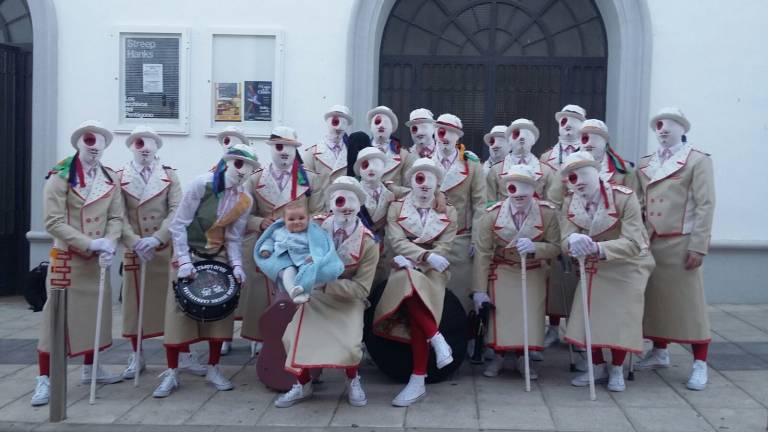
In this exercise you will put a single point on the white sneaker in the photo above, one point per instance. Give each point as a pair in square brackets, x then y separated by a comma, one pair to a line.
[296, 394]
[102, 376]
[169, 383]
[536, 356]
[601, 376]
[218, 380]
[521, 368]
[189, 363]
[255, 348]
[134, 362]
[443, 352]
[655, 359]
[42, 391]
[489, 353]
[226, 347]
[412, 392]
[581, 362]
[355, 393]
[552, 335]
[698, 379]
[494, 367]
[616, 378]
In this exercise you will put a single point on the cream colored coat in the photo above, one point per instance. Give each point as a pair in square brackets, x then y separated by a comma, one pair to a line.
[394, 171]
[497, 271]
[327, 331]
[322, 161]
[679, 198]
[149, 209]
[494, 185]
[409, 238]
[615, 284]
[73, 220]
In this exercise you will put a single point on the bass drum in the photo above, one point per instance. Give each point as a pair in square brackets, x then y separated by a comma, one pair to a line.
[394, 358]
[212, 295]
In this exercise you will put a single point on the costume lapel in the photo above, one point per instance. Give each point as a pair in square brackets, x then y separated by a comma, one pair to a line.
[577, 213]
[605, 216]
[131, 182]
[325, 156]
[268, 189]
[456, 174]
[656, 171]
[410, 221]
[158, 182]
[378, 210]
[100, 187]
[504, 226]
[393, 161]
[351, 249]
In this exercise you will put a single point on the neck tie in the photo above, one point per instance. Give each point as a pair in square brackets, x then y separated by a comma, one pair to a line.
[280, 177]
[446, 163]
[519, 217]
[339, 236]
[665, 155]
[145, 173]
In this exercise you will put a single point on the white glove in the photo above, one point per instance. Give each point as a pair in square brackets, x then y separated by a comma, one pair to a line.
[402, 262]
[471, 250]
[146, 244]
[101, 245]
[525, 246]
[438, 262]
[479, 298]
[239, 274]
[581, 245]
[105, 259]
[186, 270]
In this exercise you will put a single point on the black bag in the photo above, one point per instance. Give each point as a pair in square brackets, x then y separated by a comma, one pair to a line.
[34, 291]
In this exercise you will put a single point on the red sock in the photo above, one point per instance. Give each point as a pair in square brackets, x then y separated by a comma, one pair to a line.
[660, 344]
[214, 352]
[420, 350]
[304, 377]
[134, 342]
[88, 359]
[618, 356]
[351, 372]
[44, 363]
[700, 351]
[172, 357]
[597, 356]
[184, 348]
[554, 320]
[421, 316]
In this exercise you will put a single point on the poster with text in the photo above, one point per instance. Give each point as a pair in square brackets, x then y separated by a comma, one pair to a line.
[228, 102]
[258, 101]
[151, 77]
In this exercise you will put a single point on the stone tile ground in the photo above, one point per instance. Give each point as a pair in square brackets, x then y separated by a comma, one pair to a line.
[736, 399]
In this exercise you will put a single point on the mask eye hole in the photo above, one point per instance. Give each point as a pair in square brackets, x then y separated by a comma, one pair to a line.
[89, 139]
[279, 147]
[420, 178]
[563, 121]
[364, 164]
[492, 141]
[659, 125]
[226, 140]
[239, 163]
[335, 121]
[340, 201]
[441, 132]
[511, 188]
[584, 138]
[139, 144]
[414, 129]
[573, 178]
[377, 120]
[515, 133]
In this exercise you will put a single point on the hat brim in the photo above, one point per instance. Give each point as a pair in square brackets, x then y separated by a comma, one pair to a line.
[144, 134]
[333, 187]
[410, 123]
[356, 166]
[252, 161]
[340, 114]
[95, 129]
[284, 141]
[507, 178]
[566, 169]
[534, 130]
[220, 136]
[488, 136]
[561, 114]
[438, 172]
[389, 114]
[682, 120]
[596, 131]
[451, 127]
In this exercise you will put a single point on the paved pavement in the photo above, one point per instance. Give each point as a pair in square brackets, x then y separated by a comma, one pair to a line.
[736, 399]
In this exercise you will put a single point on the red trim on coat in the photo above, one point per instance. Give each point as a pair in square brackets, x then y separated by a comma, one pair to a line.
[679, 341]
[599, 346]
[396, 308]
[143, 336]
[196, 340]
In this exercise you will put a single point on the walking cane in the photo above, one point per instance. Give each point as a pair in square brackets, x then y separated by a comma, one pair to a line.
[631, 374]
[97, 337]
[524, 280]
[139, 330]
[587, 328]
[566, 270]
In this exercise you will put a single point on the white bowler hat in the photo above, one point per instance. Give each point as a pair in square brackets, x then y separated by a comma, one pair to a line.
[142, 131]
[577, 160]
[242, 152]
[339, 110]
[571, 110]
[420, 115]
[283, 135]
[231, 131]
[425, 164]
[671, 113]
[497, 131]
[349, 184]
[94, 126]
[521, 173]
[595, 126]
[386, 111]
[450, 121]
[367, 154]
[522, 123]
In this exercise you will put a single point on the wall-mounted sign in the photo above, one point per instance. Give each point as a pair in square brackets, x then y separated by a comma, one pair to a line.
[228, 102]
[151, 77]
[258, 101]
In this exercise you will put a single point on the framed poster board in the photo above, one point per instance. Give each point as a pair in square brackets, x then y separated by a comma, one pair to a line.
[152, 80]
[246, 76]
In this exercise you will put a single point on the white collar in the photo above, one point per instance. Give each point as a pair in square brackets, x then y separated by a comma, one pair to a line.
[513, 210]
[674, 149]
[452, 157]
[349, 229]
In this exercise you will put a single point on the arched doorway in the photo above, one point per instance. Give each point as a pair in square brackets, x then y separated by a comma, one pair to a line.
[15, 141]
[492, 61]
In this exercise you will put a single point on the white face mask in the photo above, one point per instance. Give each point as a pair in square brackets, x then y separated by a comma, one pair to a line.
[584, 182]
[423, 134]
[446, 140]
[498, 147]
[344, 205]
[381, 128]
[371, 170]
[594, 144]
[520, 194]
[282, 155]
[568, 128]
[522, 142]
[669, 132]
[91, 147]
[144, 150]
[228, 141]
[423, 187]
[237, 173]
[336, 125]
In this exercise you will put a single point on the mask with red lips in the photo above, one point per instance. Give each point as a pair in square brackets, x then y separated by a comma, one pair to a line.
[583, 181]
[499, 147]
[91, 147]
[282, 155]
[371, 170]
[144, 150]
[230, 140]
[336, 125]
[520, 194]
[237, 173]
[344, 205]
[594, 144]
[381, 128]
[423, 188]
[669, 132]
[522, 142]
[568, 128]
[446, 140]
[423, 134]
